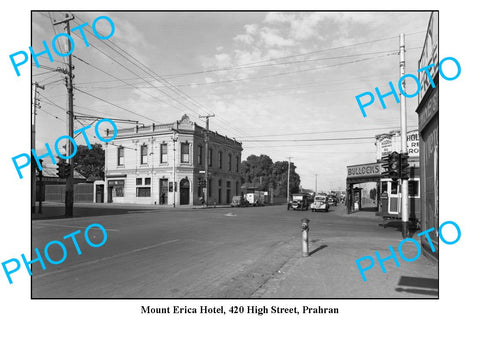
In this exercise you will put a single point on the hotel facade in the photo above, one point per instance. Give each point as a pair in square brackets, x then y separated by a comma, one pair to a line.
[164, 164]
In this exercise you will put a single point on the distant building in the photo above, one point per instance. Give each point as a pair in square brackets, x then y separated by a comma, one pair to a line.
[163, 164]
[386, 143]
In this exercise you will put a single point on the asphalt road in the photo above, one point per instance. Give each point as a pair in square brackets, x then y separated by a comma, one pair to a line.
[179, 253]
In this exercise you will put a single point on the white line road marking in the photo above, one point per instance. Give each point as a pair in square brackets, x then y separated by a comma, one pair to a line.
[47, 225]
[83, 264]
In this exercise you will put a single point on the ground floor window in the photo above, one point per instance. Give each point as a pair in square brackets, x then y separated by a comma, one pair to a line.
[143, 192]
[384, 187]
[117, 188]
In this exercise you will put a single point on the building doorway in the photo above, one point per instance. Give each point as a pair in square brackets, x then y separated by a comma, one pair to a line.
[99, 193]
[110, 194]
[163, 198]
[184, 191]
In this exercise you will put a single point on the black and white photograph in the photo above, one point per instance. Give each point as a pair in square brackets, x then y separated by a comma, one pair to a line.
[216, 166]
[235, 155]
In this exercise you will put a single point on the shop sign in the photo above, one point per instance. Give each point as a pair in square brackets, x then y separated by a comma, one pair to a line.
[364, 170]
[413, 144]
[384, 146]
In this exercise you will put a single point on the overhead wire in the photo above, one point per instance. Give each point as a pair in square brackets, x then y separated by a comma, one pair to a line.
[303, 140]
[294, 55]
[149, 71]
[189, 108]
[130, 85]
[117, 106]
[50, 114]
[318, 132]
[171, 76]
[128, 69]
[157, 75]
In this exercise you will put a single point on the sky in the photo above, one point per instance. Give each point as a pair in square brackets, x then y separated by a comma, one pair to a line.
[282, 83]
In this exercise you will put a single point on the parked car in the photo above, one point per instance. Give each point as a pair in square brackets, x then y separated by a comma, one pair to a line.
[239, 201]
[332, 199]
[320, 202]
[299, 202]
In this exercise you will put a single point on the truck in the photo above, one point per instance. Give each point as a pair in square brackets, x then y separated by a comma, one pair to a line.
[256, 198]
[299, 202]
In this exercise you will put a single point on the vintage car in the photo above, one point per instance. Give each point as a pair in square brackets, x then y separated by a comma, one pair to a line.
[332, 199]
[239, 201]
[320, 203]
[299, 202]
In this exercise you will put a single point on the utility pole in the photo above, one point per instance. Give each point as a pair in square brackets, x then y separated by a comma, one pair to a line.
[288, 179]
[69, 180]
[36, 105]
[316, 183]
[207, 116]
[403, 127]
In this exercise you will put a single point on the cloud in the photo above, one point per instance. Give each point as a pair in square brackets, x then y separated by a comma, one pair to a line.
[276, 17]
[223, 60]
[251, 29]
[244, 38]
[306, 26]
[272, 38]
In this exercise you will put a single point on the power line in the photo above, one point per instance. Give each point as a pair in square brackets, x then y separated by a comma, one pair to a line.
[48, 113]
[295, 55]
[302, 145]
[128, 69]
[135, 87]
[283, 73]
[122, 108]
[52, 82]
[149, 71]
[317, 132]
[41, 74]
[51, 102]
[172, 87]
[391, 52]
[170, 76]
[308, 84]
[302, 140]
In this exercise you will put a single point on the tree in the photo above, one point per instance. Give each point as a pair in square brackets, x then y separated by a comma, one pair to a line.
[264, 174]
[280, 171]
[90, 163]
[257, 170]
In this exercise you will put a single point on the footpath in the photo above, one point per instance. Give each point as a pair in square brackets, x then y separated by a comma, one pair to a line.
[331, 272]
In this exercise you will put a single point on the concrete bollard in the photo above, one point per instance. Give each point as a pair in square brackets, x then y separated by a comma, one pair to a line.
[305, 221]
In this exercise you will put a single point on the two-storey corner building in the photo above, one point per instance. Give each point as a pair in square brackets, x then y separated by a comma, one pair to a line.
[163, 164]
